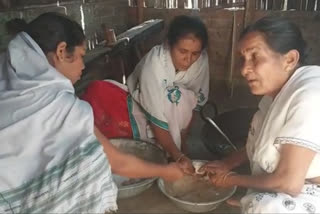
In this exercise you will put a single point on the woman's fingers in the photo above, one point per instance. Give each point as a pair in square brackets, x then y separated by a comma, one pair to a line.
[217, 179]
[212, 165]
[174, 172]
[186, 165]
[210, 170]
[233, 202]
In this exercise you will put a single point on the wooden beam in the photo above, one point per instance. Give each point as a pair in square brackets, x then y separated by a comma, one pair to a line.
[276, 5]
[140, 6]
[249, 12]
[181, 4]
[235, 35]
[201, 4]
[310, 6]
[299, 4]
[5, 4]
[292, 4]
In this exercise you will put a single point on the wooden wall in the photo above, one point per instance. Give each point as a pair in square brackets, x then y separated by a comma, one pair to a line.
[227, 87]
[91, 14]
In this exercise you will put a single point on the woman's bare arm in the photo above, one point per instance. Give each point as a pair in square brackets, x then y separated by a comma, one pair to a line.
[288, 177]
[232, 161]
[131, 166]
[165, 139]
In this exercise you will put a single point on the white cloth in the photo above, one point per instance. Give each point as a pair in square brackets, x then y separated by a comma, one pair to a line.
[42, 121]
[308, 201]
[255, 129]
[162, 93]
[292, 117]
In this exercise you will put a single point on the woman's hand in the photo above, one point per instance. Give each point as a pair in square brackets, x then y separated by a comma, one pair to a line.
[214, 166]
[219, 178]
[173, 172]
[186, 165]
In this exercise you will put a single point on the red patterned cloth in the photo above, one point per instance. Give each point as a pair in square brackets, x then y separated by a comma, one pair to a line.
[109, 104]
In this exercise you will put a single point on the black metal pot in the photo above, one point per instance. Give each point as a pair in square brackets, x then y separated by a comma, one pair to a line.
[235, 124]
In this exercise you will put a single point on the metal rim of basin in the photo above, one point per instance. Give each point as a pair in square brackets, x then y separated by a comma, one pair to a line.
[136, 185]
[144, 184]
[161, 187]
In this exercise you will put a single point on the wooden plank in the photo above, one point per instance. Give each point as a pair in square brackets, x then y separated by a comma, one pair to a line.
[202, 3]
[140, 11]
[258, 4]
[249, 12]
[292, 4]
[310, 6]
[236, 29]
[269, 4]
[299, 4]
[276, 4]
[126, 38]
[225, 5]
[5, 4]
[232, 60]
[303, 5]
[181, 4]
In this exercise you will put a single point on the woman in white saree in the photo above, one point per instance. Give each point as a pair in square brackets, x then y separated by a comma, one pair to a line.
[166, 86]
[283, 145]
[169, 83]
[52, 158]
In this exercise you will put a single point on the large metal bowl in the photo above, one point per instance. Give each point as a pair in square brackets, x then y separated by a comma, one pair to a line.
[128, 187]
[196, 206]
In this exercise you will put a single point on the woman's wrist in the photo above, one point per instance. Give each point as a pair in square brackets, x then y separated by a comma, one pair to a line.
[229, 179]
[180, 157]
[175, 154]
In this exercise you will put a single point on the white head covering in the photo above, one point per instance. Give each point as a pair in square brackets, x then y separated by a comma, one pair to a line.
[164, 95]
[40, 115]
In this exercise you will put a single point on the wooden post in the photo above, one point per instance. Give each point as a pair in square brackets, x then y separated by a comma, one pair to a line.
[276, 5]
[310, 6]
[181, 4]
[140, 5]
[298, 4]
[249, 13]
[5, 4]
[233, 52]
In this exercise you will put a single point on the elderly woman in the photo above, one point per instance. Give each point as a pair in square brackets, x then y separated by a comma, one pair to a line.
[52, 158]
[166, 86]
[283, 145]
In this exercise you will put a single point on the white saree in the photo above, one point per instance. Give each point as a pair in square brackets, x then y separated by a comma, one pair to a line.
[292, 117]
[164, 97]
[50, 159]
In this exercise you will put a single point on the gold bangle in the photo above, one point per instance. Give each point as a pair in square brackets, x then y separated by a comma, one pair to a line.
[180, 157]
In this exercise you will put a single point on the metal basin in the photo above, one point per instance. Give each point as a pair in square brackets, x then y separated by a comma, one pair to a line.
[195, 195]
[128, 187]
